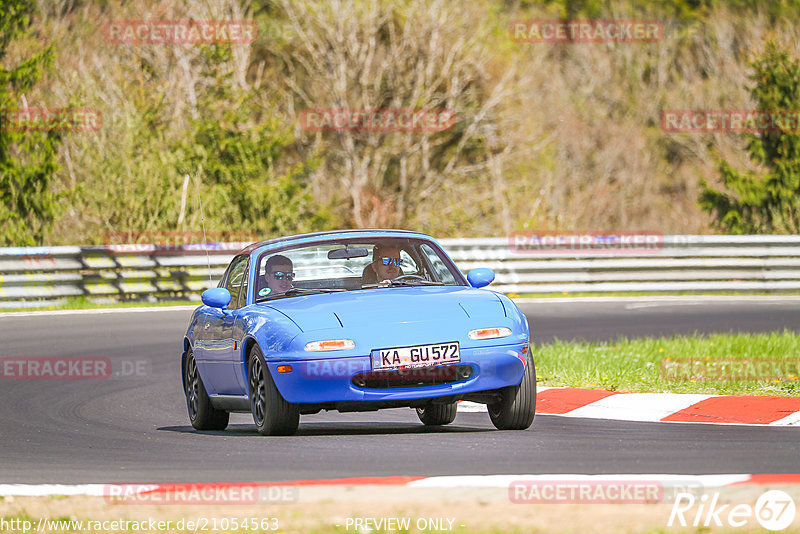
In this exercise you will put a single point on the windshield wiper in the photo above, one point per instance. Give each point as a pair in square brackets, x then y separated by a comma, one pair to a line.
[403, 283]
[301, 291]
[416, 283]
[310, 290]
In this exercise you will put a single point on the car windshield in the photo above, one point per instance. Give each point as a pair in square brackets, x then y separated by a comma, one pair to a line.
[351, 265]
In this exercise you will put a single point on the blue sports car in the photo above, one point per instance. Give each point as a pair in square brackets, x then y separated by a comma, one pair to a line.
[354, 320]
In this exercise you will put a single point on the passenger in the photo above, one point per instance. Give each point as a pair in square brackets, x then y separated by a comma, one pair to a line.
[279, 275]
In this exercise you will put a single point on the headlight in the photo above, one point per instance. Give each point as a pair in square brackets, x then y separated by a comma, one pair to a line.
[489, 333]
[330, 344]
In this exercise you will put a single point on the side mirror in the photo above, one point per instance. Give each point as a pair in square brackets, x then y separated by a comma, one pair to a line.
[216, 297]
[480, 277]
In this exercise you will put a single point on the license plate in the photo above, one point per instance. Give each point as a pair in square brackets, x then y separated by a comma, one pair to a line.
[416, 356]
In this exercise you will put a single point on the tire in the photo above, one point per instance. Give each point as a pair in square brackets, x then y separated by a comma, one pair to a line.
[437, 414]
[202, 414]
[518, 406]
[272, 415]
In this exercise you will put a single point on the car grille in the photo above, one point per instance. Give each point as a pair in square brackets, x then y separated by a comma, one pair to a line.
[413, 377]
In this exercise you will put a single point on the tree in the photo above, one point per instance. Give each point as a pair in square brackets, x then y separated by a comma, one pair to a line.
[244, 184]
[179, 111]
[239, 144]
[360, 57]
[27, 158]
[768, 203]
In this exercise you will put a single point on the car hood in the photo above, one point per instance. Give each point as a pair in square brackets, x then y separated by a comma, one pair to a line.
[392, 305]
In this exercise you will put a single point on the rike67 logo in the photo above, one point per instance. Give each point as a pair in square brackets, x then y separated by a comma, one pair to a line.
[774, 510]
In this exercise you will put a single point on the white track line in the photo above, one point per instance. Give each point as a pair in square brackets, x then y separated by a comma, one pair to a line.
[637, 406]
[503, 481]
[789, 420]
[42, 490]
[526, 300]
[659, 298]
[98, 311]
[460, 481]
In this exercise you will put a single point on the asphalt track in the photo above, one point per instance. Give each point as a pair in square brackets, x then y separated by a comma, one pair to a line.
[134, 428]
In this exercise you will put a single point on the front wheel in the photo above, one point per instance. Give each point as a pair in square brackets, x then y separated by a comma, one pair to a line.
[437, 414]
[202, 414]
[517, 407]
[272, 414]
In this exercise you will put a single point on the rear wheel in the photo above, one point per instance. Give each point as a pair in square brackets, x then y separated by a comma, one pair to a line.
[517, 407]
[202, 414]
[272, 414]
[437, 414]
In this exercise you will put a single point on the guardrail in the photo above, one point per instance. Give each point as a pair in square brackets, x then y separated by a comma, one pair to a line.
[769, 263]
[30, 275]
[33, 276]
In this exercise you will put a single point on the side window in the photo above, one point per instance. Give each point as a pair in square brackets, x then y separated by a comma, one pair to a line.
[243, 293]
[236, 277]
[442, 272]
[407, 263]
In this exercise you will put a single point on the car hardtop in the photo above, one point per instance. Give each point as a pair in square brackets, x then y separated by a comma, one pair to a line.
[331, 235]
[276, 245]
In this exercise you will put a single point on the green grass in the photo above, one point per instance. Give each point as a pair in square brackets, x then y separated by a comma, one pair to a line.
[649, 364]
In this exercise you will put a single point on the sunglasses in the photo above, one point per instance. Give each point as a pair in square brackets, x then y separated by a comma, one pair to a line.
[280, 275]
[390, 261]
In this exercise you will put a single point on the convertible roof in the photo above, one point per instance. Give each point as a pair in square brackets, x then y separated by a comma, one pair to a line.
[366, 232]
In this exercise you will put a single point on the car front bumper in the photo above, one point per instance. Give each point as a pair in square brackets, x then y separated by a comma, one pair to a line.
[331, 379]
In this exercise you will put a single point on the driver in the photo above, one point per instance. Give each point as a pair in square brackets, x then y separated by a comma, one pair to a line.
[385, 264]
[279, 274]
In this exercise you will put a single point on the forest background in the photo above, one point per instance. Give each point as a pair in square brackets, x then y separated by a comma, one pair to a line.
[548, 136]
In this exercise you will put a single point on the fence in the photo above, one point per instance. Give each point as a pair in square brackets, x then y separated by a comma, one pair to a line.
[31, 275]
